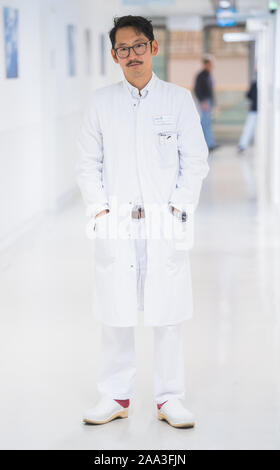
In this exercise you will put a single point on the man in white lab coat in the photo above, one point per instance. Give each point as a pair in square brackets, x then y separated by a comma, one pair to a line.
[141, 161]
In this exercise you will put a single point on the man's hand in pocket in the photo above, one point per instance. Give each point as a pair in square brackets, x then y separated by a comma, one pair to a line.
[102, 213]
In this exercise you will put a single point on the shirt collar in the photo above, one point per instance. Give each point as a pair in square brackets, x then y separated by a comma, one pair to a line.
[135, 92]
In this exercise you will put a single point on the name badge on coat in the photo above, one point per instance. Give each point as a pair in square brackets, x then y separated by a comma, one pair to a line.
[163, 119]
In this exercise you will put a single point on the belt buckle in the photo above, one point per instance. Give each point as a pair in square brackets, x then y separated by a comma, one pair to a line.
[141, 212]
[138, 213]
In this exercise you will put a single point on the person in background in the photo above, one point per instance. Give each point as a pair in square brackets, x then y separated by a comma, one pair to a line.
[250, 123]
[204, 92]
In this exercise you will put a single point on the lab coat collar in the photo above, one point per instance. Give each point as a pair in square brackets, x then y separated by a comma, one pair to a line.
[135, 92]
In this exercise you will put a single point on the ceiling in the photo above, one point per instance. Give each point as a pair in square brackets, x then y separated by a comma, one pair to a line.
[195, 7]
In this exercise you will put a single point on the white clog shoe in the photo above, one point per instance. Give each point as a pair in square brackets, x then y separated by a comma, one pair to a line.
[176, 414]
[104, 411]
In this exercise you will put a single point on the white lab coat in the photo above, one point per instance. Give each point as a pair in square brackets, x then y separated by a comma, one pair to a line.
[158, 134]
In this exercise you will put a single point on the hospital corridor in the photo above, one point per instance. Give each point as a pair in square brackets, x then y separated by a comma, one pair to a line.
[56, 56]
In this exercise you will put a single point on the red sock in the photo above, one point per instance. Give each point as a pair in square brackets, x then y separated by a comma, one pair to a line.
[124, 403]
[159, 405]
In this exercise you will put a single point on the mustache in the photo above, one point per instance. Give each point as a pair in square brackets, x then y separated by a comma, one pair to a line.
[134, 63]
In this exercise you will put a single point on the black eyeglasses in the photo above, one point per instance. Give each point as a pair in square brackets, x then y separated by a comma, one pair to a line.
[139, 49]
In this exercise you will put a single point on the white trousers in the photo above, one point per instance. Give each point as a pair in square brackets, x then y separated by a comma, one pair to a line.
[248, 130]
[117, 366]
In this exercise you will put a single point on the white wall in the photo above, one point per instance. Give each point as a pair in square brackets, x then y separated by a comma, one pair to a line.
[275, 186]
[41, 111]
[20, 125]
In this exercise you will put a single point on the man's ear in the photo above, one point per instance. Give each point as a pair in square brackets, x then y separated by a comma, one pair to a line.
[114, 56]
[154, 47]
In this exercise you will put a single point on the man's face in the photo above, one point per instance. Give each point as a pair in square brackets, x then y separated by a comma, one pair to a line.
[209, 66]
[128, 36]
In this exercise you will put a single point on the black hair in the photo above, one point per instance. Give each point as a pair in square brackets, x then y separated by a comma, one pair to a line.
[139, 23]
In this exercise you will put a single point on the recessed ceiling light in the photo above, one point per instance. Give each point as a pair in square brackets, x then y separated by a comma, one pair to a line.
[224, 4]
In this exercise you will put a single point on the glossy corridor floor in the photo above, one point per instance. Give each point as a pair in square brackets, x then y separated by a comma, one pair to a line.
[50, 345]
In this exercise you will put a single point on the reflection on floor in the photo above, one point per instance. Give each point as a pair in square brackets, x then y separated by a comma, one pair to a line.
[50, 345]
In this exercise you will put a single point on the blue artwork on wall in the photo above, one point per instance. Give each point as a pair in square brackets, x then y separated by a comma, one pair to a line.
[102, 54]
[88, 46]
[71, 43]
[11, 41]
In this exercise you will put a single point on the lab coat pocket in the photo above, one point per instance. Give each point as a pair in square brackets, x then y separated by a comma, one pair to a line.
[104, 244]
[168, 148]
[183, 235]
